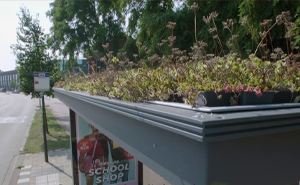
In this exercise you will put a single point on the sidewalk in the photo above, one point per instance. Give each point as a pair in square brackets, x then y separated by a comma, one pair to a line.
[59, 169]
[37, 172]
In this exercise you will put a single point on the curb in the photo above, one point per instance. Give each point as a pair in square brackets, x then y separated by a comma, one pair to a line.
[12, 175]
[27, 133]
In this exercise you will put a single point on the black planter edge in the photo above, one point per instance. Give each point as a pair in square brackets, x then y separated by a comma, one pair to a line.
[193, 124]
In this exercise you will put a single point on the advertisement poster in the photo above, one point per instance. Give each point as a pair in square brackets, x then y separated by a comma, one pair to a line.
[101, 161]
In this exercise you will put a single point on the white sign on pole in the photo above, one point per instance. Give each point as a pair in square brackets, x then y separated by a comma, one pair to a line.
[41, 81]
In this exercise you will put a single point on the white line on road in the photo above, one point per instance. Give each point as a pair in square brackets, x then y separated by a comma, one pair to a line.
[25, 180]
[24, 119]
[12, 119]
[24, 173]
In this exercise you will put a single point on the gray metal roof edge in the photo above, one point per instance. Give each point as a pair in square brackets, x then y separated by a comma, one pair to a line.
[200, 130]
[164, 121]
[227, 109]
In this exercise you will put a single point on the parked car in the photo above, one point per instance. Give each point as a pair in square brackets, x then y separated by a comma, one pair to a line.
[17, 91]
[2, 89]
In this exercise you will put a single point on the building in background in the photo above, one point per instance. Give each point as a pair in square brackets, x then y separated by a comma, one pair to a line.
[6, 77]
[82, 63]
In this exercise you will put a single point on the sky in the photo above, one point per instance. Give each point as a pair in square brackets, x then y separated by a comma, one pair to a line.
[9, 24]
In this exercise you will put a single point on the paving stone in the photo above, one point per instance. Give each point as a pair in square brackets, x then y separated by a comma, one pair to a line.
[55, 170]
[23, 180]
[36, 168]
[36, 173]
[24, 176]
[63, 175]
[54, 183]
[65, 181]
[25, 183]
[53, 177]
[41, 179]
[27, 163]
[47, 172]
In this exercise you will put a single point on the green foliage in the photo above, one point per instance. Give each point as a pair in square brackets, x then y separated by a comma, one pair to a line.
[297, 99]
[56, 139]
[169, 60]
[85, 26]
[296, 28]
[31, 52]
[13, 83]
[20, 166]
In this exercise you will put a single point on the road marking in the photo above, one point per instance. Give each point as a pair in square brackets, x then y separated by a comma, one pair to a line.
[48, 179]
[23, 180]
[41, 179]
[24, 173]
[26, 167]
[12, 119]
[24, 119]
[53, 177]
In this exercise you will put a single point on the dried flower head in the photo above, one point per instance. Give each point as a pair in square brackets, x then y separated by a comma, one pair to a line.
[139, 44]
[279, 51]
[286, 15]
[244, 20]
[202, 44]
[211, 30]
[262, 45]
[273, 56]
[234, 37]
[213, 15]
[105, 46]
[119, 55]
[171, 25]
[262, 34]
[194, 7]
[164, 41]
[279, 19]
[268, 21]
[144, 48]
[210, 55]
[171, 39]
[207, 19]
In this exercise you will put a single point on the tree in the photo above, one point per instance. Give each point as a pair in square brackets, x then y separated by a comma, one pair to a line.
[32, 56]
[83, 26]
[13, 84]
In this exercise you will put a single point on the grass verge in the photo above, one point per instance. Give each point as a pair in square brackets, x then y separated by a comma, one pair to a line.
[57, 137]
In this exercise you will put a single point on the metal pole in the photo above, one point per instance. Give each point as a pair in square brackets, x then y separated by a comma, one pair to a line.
[44, 130]
[45, 117]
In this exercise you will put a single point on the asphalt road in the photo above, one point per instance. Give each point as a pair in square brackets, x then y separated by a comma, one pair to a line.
[16, 113]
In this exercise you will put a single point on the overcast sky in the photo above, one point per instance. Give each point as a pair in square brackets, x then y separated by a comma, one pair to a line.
[9, 23]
